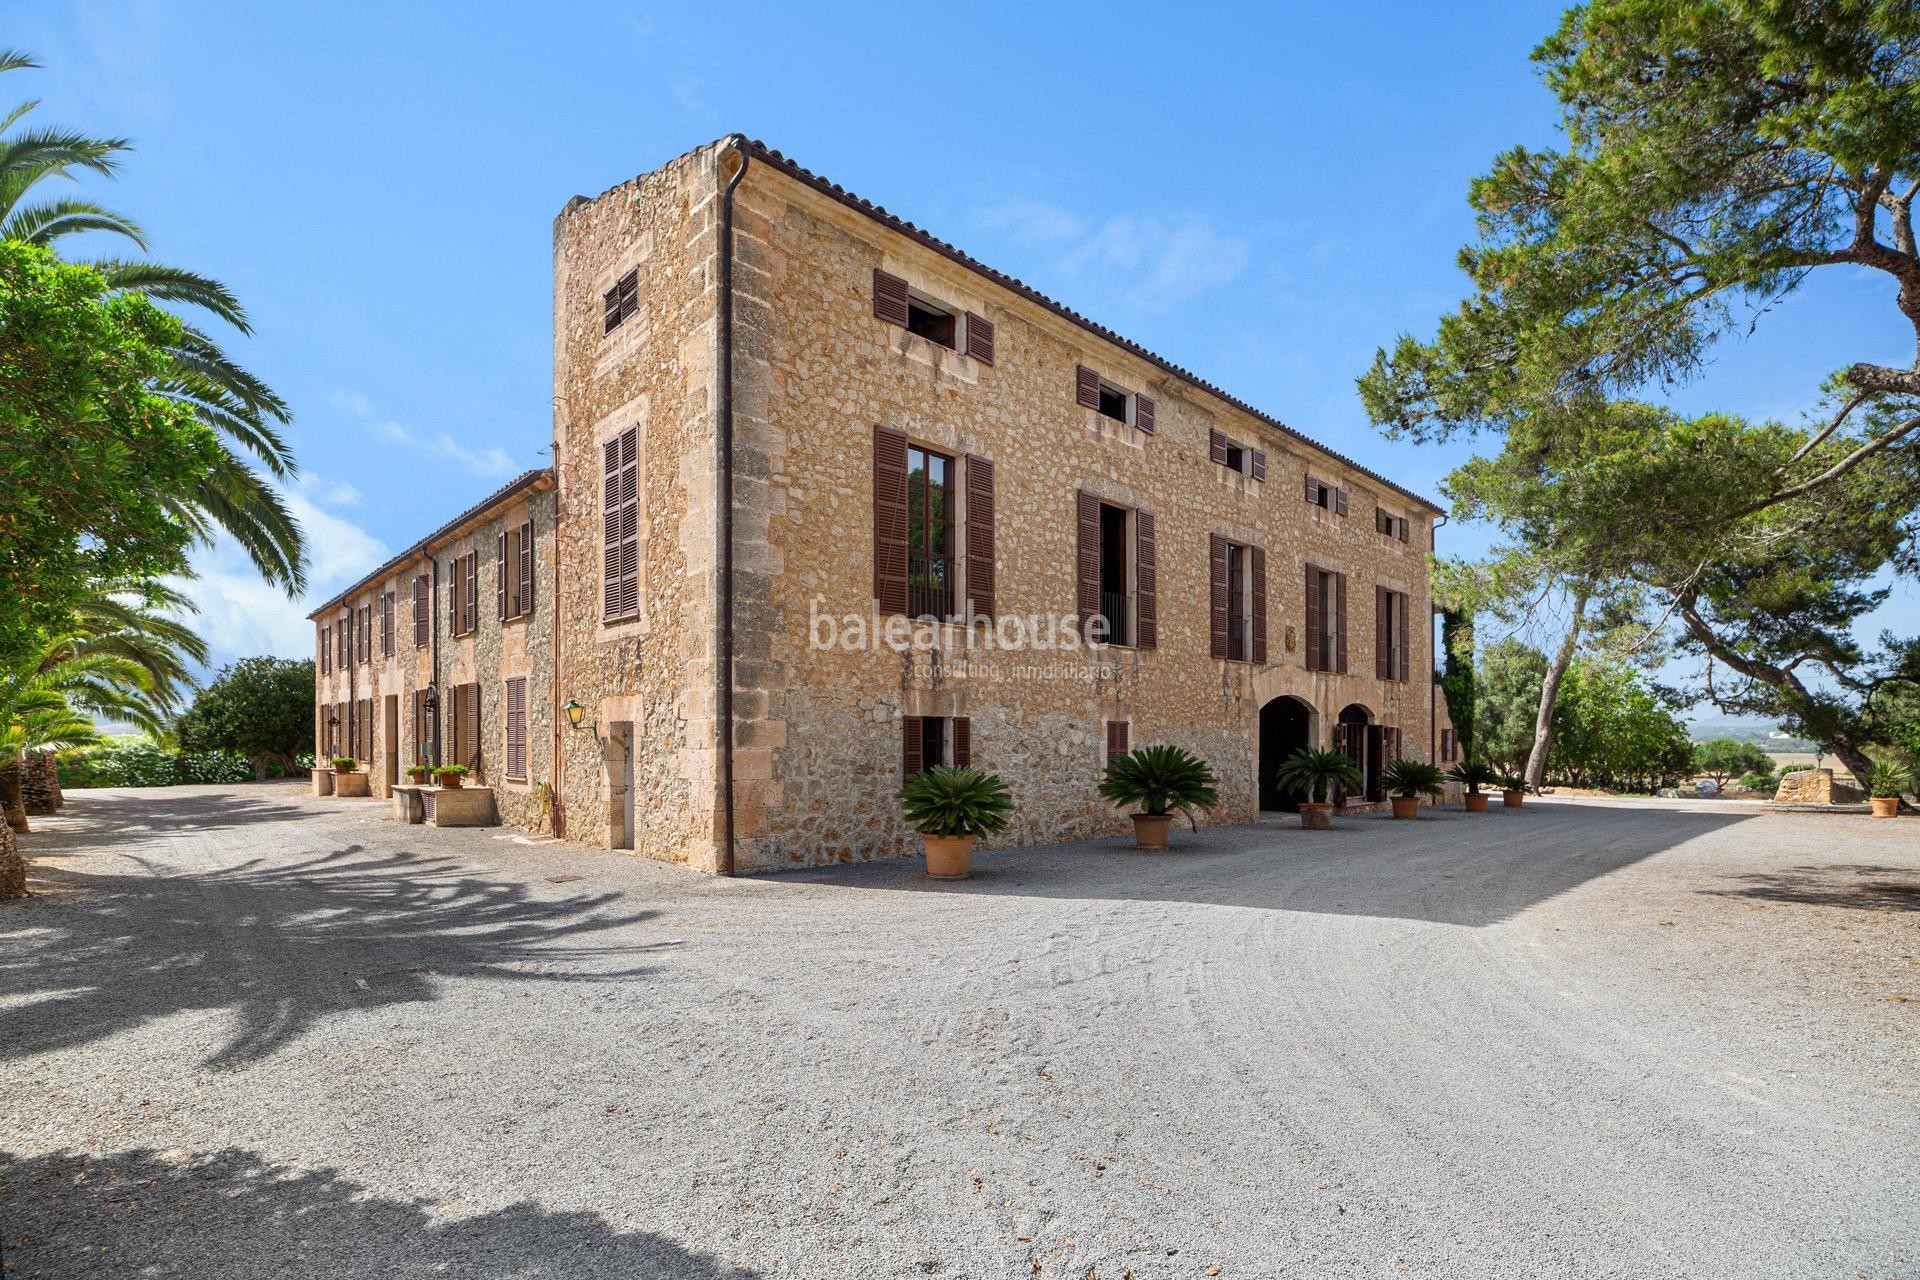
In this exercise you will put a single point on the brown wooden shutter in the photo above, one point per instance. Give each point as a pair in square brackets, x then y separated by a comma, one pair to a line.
[890, 519]
[1117, 734]
[471, 701]
[1380, 518]
[1340, 623]
[620, 519]
[962, 742]
[889, 297]
[610, 518]
[980, 579]
[1086, 387]
[1260, 464]
[326, 650]
[1315, 661]
[526, 567]
[911, 728]
[453, 596]
[979, 338]
[1403, 652]
[1339, 502]
[1146, 564]
[516, 699]
[422, 611]
[1402, 532]
[1086, 596]
[1217, 606]
[473, 590]
[1257, 569]
[1143, 413]
[500, 577]
[388, 641]
[1217, 447]
[1313, 491]
[1382, 654]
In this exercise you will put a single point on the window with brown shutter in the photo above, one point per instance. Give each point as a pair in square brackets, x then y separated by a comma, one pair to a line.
[456, 587]
[619, 303]
[1143, 413]
[422, 731]
[1339, 502]
[342, 637]
[979, 338]
[979, 535]
[1234, 456]
[1257, 465]
[889, 297]
[1110, 400]
[890, 519]
[513, 592]
[1118, 733]
[422, 611]
[526, 563]
[516, 717]
[1104, 597]
[1257, 593]
[1086, 387]
[1217, 579]
[386, 624]
[1146, 580]
[620, 515]
[501, 554]
[1326, 620]
[326, 650]
[1390, 634]
[466, 727]
[473, 589]
[365, 633]
[928, 742]
[931, 561]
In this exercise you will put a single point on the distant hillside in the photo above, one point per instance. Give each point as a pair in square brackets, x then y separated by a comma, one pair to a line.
[1747, 729]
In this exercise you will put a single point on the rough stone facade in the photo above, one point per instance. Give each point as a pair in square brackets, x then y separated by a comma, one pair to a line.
[1816, 786]
[819, 725]
[493, 652]
[818, 743]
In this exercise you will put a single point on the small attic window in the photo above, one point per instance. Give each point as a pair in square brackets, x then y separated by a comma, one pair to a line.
[935, 324]
[1113, 402]
[621, 302]
[1236, 459]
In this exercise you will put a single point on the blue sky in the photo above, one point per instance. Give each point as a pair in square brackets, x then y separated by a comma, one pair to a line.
[1262, 194]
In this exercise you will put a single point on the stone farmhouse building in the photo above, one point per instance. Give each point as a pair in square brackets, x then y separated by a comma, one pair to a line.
[918, 511]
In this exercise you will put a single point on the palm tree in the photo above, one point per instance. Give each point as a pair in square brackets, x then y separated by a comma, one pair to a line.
[124, 658]
[244, 410]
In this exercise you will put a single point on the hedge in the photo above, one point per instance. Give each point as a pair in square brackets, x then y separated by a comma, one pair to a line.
[135, 762]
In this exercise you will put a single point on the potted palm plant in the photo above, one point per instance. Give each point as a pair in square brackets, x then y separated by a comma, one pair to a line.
[1408, 780]
[1313, 773]
[949, 808]
[1884, 786]
[1160, 781]
[1513, 790]
[1473, 775]
[451, 776]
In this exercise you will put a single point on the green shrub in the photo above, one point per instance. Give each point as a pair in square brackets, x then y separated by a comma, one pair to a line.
[956, 802]
[1160, 780]
[140, 762]
[1767, 782]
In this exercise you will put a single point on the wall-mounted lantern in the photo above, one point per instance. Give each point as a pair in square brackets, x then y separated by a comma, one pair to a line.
[575, 713]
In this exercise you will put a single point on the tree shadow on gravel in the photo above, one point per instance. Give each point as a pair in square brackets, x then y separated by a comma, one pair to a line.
[282, 946]
[1859, 887]
[230, 1214]
[1449, 867]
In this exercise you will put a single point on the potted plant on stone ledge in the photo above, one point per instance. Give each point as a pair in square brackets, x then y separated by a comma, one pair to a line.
[1159, 781]
[950, 808]
[1406, 781]
[1315, 773]
[419, 773]
[1473, 775]
[452, 776]
[345, 764]
[1884, 786]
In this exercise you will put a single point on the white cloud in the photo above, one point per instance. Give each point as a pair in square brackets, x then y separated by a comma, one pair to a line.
[241, 615]
[1158, 255]
[489, 460]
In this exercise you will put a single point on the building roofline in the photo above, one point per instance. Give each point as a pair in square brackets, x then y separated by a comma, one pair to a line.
[512, 489]
[834, 191]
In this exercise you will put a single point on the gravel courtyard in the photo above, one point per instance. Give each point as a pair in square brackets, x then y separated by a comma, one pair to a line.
[249, 1033]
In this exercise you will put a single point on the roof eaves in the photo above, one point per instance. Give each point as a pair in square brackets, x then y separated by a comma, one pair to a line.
[880, 214]
[510, 489]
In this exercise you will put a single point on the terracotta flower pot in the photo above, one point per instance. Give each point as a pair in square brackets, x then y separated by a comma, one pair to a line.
[1316, 817]
[1150, 830]
[1885, 806]
[949, 857]
[1512, 799]
[1476, 802]
[1406, 806]
[452, 781]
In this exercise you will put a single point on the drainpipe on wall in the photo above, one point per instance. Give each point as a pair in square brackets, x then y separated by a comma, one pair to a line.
[723, 414]
[1433, 656]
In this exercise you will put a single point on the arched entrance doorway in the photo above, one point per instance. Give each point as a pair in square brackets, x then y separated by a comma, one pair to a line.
[1355, 734]
[1286, 725]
